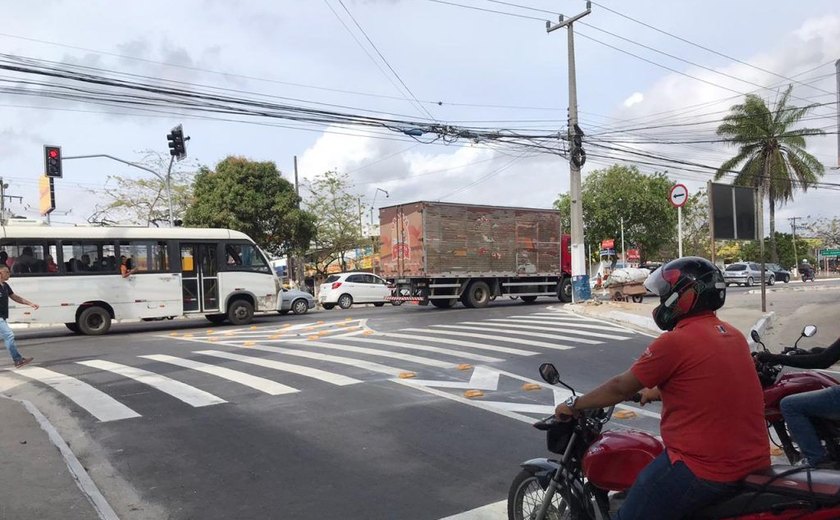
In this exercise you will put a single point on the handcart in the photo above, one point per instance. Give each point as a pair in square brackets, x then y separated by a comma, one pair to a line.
[624, 292]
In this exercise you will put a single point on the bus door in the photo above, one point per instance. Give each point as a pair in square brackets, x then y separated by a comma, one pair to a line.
[199, 277]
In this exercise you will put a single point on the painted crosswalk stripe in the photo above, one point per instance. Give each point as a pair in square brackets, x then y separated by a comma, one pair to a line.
[564, 315]
[496, 337]
[529, 333]
[382, 353]
[425, 348]
[586, 333]
[560, 323]
[458, 343]
[257, 383]
[314, 373]
[182, 391]
[95, 402]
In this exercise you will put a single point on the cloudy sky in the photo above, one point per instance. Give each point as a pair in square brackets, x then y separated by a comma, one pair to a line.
[464, 66]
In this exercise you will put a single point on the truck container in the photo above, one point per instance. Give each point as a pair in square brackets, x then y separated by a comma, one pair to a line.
[442, 253]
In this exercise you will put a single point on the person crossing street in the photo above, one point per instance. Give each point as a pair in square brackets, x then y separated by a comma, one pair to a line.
[6, 332]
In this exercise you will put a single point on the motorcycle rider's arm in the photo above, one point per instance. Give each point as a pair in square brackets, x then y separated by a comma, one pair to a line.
[614, 391]
[823, 359]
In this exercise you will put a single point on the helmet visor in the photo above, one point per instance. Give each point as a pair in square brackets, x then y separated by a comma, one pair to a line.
[661, 281]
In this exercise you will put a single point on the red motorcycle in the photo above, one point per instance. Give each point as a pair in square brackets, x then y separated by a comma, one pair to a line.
[595, 469]
[777, 387]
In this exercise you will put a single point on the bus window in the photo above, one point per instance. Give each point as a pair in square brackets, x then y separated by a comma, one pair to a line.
[28, 257]
[87, 257]
[244, 257]
[145, 255]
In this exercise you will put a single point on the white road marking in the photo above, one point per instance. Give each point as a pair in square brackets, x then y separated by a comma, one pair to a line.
[508, 326]
[562, 322]
[527, 333]
[322, 375]
[482, 379]
[382, 353]
[494, 511]
[374, 340]
[257, 383]
[95, 402]
[455, 342]
[517, 341]
[182, 391]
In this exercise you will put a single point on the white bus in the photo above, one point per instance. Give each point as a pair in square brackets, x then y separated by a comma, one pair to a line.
[73, 273]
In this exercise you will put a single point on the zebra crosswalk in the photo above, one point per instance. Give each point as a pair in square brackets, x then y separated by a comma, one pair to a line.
[331, 353]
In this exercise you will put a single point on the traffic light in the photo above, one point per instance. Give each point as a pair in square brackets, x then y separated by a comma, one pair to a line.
[177, 143]
[52, 161]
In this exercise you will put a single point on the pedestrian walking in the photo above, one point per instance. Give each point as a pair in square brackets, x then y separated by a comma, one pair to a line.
[6, 332]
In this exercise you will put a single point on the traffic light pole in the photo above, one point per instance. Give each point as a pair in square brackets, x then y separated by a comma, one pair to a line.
[169, 190]
[156, 174]
[580, 282]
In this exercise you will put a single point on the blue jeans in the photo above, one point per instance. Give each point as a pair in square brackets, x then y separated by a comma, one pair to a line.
[665, 491]
[9, 339]
[799, 408]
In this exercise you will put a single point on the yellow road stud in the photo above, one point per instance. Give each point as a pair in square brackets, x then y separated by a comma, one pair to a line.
[473, 394]
[530, 387]
[464, 366]
[625, 414]
[313, 338]
[173, 333]
[407, 375]
[249, 343]
[368, 333]
[210, 331]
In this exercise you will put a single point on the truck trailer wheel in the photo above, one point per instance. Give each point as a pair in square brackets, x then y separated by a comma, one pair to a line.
[477, 295]
[564, 291]
[444, 304]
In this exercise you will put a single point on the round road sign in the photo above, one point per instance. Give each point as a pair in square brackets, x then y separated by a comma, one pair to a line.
[678, 195]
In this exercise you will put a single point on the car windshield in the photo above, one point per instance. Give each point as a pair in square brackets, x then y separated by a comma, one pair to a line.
[332, 278]
[736, 267]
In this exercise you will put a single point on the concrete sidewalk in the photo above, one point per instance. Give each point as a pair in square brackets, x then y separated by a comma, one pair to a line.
[638, 316]
[41, 477]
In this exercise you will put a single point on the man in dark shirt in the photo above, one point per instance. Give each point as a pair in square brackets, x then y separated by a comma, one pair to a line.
[6, 332]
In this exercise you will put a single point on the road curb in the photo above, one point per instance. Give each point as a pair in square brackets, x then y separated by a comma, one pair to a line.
[807, 288]
[761, 327]
[644, 324]
[77, 471]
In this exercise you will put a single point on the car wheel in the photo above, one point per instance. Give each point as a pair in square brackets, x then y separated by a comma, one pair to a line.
[396, 303]
[328, 306]
[345, 301]
[300, 306]
[240, 312]
[94, 321]
[787, 279]
[74, 327]
[749, 282]
[771, 281]
[564, 291]
[380, 304]
[477, 295]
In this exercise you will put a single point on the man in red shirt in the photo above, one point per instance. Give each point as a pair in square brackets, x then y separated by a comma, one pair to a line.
[713, 422]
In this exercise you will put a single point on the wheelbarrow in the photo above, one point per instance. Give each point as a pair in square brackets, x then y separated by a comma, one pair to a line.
[625, 292]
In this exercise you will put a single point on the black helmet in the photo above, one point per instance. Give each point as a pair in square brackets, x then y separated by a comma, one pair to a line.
[685, 286]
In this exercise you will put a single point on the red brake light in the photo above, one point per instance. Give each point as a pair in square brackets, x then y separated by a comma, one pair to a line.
[336, 285]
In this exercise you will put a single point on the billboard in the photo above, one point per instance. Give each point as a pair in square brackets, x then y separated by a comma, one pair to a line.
[733, 211]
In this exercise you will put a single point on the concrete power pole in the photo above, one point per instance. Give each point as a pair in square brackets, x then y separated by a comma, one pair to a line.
[793, 227]
[837, 69]
[299, 274]
[580, 282]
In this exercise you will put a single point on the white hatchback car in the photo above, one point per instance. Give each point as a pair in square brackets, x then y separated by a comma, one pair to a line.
[345, 289]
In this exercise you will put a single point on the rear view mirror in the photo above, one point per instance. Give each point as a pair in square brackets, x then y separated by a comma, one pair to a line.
[809, 331]
[549, 373]
[755, 336]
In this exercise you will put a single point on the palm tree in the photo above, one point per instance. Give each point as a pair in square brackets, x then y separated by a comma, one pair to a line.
[771, 154]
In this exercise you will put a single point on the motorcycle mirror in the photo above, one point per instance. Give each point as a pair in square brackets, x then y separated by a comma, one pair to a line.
[755, 336]
[809, 331]
[549, 374]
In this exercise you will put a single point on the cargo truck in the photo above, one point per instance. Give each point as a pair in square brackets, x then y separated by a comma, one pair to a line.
[443, 253]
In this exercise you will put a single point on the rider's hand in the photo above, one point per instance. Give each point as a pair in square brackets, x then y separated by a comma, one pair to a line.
[764, 357]
[649, 395]
[563, 412]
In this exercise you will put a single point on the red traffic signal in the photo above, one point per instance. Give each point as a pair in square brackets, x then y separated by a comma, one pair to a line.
[52, 161]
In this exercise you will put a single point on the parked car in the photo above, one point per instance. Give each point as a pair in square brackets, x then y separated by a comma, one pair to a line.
[298, 302]
[345, 289]
[781, 274]
[746, 274]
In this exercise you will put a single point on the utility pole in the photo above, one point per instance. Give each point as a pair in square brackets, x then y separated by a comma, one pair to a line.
[3, 198]
[793, 227]
[837, 73]
[577, 157]
[299, 259]
[623, 251]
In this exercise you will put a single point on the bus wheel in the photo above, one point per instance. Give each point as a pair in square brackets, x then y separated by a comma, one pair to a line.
[74, 327]
[94, 321]
[240, 312]
[216, 319]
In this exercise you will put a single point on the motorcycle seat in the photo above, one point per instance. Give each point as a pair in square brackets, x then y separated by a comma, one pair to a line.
[822, 485]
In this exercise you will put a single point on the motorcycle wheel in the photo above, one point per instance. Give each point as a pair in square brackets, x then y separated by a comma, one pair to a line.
[525, 499]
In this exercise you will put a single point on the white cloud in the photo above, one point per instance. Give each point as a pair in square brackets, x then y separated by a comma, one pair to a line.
[634, 99]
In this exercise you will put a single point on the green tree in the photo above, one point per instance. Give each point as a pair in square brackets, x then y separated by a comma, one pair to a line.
[143, 200]
[771, 153]
[622, 192]
[827, 230]
[804, 248]
[338, 219]
[251, 197]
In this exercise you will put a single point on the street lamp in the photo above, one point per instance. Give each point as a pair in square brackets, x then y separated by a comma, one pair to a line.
[372, 236]
[372, 206]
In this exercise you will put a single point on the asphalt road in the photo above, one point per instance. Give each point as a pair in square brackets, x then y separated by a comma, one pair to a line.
[335, 414]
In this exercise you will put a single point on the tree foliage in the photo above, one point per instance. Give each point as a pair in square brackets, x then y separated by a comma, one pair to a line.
[827, 230]
[610, 194]
[143, 200]
[771, 152]
[338, 219]
[251, 197]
